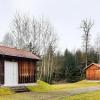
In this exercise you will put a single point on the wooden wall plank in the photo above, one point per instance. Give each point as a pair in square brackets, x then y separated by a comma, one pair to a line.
[26, 72]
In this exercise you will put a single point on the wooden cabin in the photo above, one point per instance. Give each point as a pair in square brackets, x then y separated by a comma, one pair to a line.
[93, 72]
[16, 66]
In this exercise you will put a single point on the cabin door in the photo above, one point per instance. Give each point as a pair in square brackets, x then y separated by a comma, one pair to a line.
[11, 73]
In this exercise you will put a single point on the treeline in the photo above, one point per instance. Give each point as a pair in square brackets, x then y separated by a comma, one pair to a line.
[70, 65]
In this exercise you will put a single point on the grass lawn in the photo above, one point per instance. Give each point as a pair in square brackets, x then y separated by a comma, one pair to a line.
[44, 91]
[80, 84]
[86, 96]
[44, 87]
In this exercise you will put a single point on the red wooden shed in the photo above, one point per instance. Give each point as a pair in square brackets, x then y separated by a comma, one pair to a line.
[16, 66]
[93, 72]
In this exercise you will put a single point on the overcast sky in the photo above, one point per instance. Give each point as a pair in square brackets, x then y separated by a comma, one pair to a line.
[65, 16]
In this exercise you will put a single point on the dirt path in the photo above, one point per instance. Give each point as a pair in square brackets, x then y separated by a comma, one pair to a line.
[48, 95]
[83, 90]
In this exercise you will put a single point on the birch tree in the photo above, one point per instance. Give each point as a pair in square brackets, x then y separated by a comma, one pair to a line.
[48, 38]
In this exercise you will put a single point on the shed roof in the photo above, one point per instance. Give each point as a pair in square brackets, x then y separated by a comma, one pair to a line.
[98, 65]
[17, 53]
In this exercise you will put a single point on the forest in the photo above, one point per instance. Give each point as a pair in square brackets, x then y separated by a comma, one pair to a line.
[39, 36]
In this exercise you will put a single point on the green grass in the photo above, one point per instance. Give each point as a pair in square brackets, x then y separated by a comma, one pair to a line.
[5, 91]
[79, 84]
[86, 96]
[45, 87]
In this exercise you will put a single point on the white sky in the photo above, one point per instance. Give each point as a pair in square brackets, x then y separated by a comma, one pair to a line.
[65, 15]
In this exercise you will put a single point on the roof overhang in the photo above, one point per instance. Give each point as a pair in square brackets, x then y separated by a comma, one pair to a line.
[91, 65]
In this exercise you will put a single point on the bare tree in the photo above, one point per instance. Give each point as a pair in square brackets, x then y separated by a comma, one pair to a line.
[20, 30]
[86, 26]
[24, 33]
